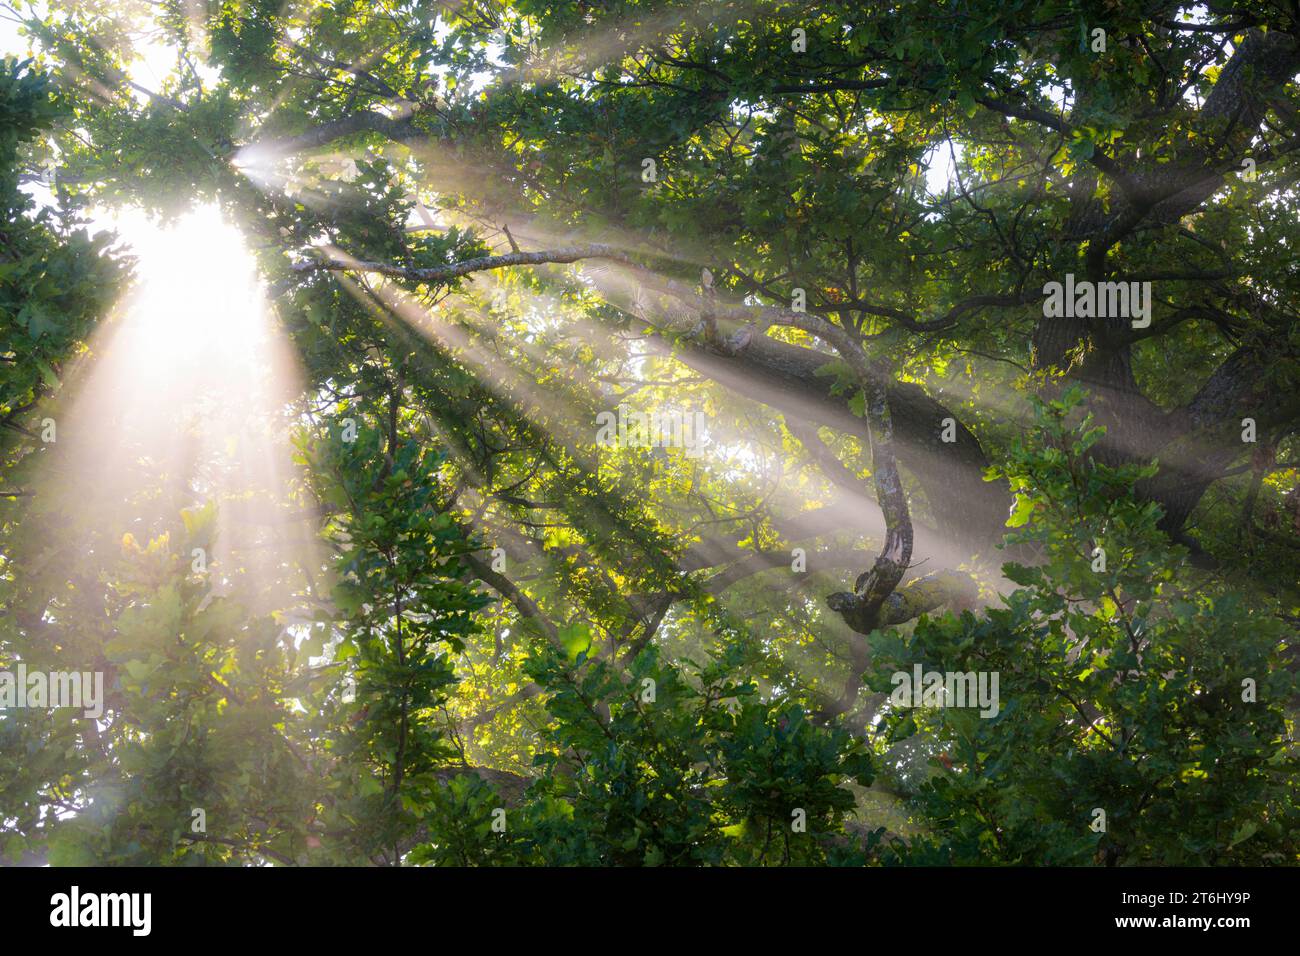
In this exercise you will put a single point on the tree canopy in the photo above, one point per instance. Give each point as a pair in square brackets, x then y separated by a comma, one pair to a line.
[648, 389]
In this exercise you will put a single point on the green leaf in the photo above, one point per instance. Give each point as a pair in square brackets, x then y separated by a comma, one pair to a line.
[575, 639]
[1021, 511]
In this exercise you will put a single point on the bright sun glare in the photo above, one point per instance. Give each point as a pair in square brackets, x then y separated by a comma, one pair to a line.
[190, 381]
[198, 300]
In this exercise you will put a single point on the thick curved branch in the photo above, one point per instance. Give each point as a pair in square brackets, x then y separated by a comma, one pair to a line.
[399, 129]
[507, 589]
[940, 323]
[457, 270]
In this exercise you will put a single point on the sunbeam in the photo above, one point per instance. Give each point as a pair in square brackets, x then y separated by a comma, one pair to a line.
[191, 383]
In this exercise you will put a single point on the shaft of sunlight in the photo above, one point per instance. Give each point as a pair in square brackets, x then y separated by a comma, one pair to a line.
[185, 401]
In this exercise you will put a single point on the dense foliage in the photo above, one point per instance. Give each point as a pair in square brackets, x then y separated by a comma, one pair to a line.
[460, 627]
